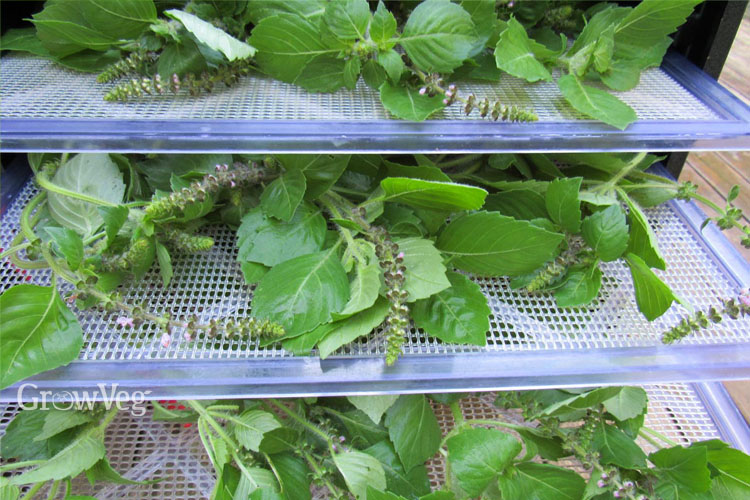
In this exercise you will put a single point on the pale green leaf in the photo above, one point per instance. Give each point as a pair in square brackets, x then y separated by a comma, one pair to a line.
[321, 171]
[562, 203]
[348, 19]
[514, 54]
[580, 287]
[407, 103]
[324, 73]
[373, 406]
[425, 271]
[410, 484]
[82, 453]
[212, 36]
[433, 195]
[617, 448]
[382, 26]
[360, 470]
[642, 241]
[68, 244]
[542, 482]
[596, 103]
[293, 475]
[56, 421]
[92, 174]
[250, 427]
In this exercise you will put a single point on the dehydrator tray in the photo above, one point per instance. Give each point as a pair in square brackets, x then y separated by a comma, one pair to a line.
[532, 343]
[142, 449]
[44, 107]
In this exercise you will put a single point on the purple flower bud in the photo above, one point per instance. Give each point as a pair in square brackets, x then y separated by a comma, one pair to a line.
[335, 448]
[423, 91]
[400, 255]
[187, 337]
[232, 183]
[605, 476]
[342, 439]
[601, 484]
[617, 494]
[166, 339]
[125, 321]
[446, 102]
[628, 484]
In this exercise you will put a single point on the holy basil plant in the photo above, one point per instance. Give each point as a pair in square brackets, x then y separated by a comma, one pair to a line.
[406, 51]
[337, 248]
[570, 444]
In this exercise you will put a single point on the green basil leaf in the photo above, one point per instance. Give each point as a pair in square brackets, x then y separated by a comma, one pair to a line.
[93, 174]
[114, 218]
[579, 402]
[439, 495]
[542, 445]
[373, 406]
[602, 56]
[37, 332]
[68, 244]
[253, 272]
[363, 288]
[410, 484]
[599, 22]
[250, 427]
[281, 198]
[160, 170]
[542, 482]
[212, 36]
[321, 171]
[352, 69]
[165, 263]
[563, 204]
[687, 467]
[521, 204]
[325, 73]
[647, 26]
[438, 36]
[629, 403]
[606, 231]
[382, 26]
[643, 242]
[477, 456]
[458, 314]
[433, 195]
[425, 272]
[309, 9]
[25, 40]
[351, 328]
[103, 471]
[514, 54]
[407, 103]
[374, 75]
[348, 19]
[270, 242]
[359, 428]
[394, 66]
[596, 103]
[12, 492]
[19, 440]
[81, 454]
[728, 489]
[279, 440]
[57, 421]
[426, 172]
[580, 287]
[360, 470]
[617, 448]
[472, 241]
[293, 476]
[301, 293]
[413, 429]
[654, 297]
[483, 16]
[301, 344]
[286, 43]
[181, 58]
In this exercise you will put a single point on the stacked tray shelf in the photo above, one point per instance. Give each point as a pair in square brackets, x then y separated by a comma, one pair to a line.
[46, 108]
[141, 448]
[532, 343]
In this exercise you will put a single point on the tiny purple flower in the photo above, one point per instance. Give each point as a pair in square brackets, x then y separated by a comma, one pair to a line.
[125, 321]
[342, 439]
[446, 102]
[617, 494]
[400, 255]
[187, 337]
[600, 483]
[745, 296]
[232, 184]
[628, 484]
[166, 339]
[423, 91]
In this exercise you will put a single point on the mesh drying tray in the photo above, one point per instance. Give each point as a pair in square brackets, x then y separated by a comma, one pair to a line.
[46, 108]
[141, 448]
[531, 342]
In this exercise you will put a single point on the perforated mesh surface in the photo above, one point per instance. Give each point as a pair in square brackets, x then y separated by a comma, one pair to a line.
[35, 88]
[211, 285]
[141, 449]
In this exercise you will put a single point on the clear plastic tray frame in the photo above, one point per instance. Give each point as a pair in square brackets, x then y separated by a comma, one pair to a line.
[531, 342]
[141, 448]
[46, 107]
